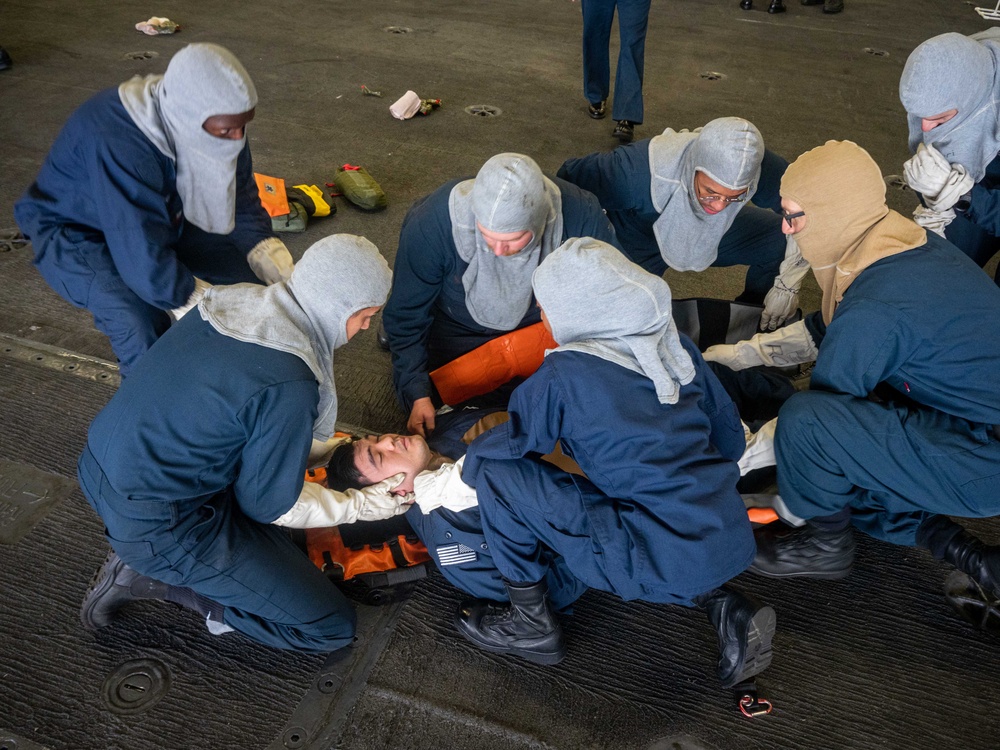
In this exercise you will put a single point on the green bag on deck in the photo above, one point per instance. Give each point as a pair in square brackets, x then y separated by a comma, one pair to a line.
[360, 188]
[296, 220]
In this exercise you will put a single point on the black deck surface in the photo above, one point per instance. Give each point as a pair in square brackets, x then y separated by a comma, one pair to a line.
[874, 661]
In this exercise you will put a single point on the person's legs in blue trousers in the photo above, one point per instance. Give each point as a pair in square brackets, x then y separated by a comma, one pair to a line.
[888, 469]
[598, 16]
[633, 20]
[83, 273]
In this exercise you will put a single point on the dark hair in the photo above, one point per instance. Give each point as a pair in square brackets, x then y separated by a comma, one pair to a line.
[342, 473]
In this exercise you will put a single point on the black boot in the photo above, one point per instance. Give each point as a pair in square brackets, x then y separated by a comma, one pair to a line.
[948, 541]
[745, 630]
[527, 627]
[116, 584]
[974, 588]
[807, 552]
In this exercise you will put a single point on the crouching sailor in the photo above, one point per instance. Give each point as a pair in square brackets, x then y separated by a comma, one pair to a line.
[900, 422]
[205, 447]
[658, 517]
[148, 196]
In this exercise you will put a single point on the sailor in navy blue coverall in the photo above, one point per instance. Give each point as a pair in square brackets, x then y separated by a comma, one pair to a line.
[184, 521]
[110, 230]
[427, 319]
[657, 517]
[900, 421]
[929, 446]
[205, 447]
[621, 181]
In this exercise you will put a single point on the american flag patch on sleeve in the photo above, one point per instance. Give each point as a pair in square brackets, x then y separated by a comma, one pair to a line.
[456, 554]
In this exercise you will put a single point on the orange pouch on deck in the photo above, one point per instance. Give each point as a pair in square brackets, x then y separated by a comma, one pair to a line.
[272, 194]
[484, 369]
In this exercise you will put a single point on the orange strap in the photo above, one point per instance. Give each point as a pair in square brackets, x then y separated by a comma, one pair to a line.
[484, 369]
[328, 553]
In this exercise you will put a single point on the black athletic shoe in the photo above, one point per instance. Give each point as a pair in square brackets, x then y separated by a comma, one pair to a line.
[598, 110]
[805, 552]
[624, 131]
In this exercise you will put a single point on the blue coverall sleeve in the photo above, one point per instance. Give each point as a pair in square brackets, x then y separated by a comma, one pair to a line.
[609, 176]
[984, 208]
[536, 412]
[252, 222]
[130, 191]
[278, 422]
[865, 343]
[726, 428]
[584, 217]
[418, 274]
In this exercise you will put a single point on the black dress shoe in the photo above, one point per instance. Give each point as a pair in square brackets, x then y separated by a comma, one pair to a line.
[746, 4]
[833, 6]
[806, 552]
[598, 110]
[5, 61]
[776, 6]
[624, 131]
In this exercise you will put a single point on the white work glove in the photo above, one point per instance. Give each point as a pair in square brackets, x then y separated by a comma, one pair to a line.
[444, 488]
[782, 301]
[938, 181]
[927, 171]
[791, 345]
[200, 287]
[319, 507]
[933, 221]
[271, 261]
[760, 448]
[958, 184]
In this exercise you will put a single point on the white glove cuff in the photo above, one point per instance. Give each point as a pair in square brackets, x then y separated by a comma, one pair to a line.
[200, 288]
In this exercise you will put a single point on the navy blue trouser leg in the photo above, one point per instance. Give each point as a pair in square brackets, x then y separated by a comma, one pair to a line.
[529, 507]
[891, 465]
[86, 277]
[597, 18]
[269, 589]
[456, 542]
[755, 239]
[633, 20]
